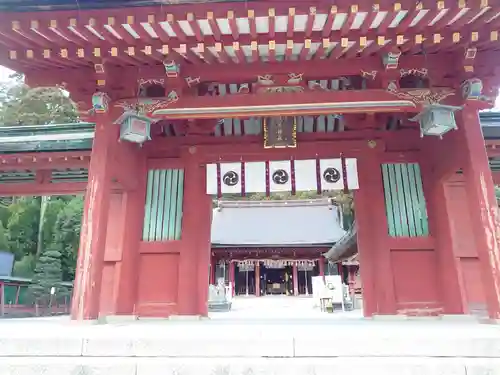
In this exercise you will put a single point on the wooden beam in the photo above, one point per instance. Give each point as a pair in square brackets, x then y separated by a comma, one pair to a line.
[262, 39]
[318, 69]
[65, 155]
[154, 23]
[231, 73]
[41, 165]
[214, 26]
[309, 102]
[63, 188]
[281, 8]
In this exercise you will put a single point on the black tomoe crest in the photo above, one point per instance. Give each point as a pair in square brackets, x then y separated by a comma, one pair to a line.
[280, 177]
[331, 175]
[231, 178]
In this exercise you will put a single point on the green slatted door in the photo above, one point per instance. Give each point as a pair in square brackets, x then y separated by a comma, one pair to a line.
[163, 211]
[404, 200]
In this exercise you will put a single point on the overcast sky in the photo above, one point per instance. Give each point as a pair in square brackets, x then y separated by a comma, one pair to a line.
[4, 74]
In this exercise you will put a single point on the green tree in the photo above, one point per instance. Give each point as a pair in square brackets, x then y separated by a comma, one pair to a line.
[22, 227]
[30, 222]
[50, 207]
[48, 275]
[5, 202]
[4, 242]
[25, 266]
[66, 238]
[22, 105]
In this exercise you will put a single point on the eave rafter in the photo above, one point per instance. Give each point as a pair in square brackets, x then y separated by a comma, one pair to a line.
[227, 32]
[447, 40]
[442, 75]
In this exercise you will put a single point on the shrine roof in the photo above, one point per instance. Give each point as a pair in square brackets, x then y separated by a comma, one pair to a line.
[345, 247]
[53, 137]
[23, 280]
[490, 122]
[276, 223]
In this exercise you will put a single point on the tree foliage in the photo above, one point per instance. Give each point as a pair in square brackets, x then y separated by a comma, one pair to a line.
[48, 275]
[61, 231]
[22, 226]
[44, 241]
[22, 105]
[66, 235]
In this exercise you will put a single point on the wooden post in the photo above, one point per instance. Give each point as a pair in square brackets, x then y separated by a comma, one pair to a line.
[88, 275]
[374, 253]
[2, 299]
[295, 279]
[213, 266]
[321, 266]
[440, 207]
[231, 277]
[133, 216]
[482, 205]
[195, 251]
[257, 279]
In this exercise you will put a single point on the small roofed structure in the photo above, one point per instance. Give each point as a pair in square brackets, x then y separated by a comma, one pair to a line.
[344, 249]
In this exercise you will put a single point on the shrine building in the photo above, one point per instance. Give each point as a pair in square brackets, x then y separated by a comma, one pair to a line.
[185, 103]
[274, 247]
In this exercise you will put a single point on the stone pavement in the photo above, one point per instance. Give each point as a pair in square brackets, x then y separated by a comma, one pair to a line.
[266, 336]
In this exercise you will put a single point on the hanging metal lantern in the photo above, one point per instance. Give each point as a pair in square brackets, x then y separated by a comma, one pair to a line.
[100, 102]
[436, 119]
[172, 69]
[134, 127]
[391, 60]
[472, 89]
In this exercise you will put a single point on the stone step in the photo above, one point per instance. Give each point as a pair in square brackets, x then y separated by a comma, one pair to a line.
[262, 347]
[234, 339]
[249, 366]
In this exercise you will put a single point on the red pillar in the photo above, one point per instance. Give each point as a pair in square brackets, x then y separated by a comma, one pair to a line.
[321, 266]
[88, 274]
[439, 208]
[295, 279]
[482, 205]
[374, 253]
[195, 237]
[128, 268]
[231, 277]
[257, 279]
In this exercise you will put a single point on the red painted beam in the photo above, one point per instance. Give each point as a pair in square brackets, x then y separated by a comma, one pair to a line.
[45, 160]
[240, 9]
[311, 102]
[311, 150]
[406, 139]
[318, 69]
[44, 164]
[46, 155]
[66, 188]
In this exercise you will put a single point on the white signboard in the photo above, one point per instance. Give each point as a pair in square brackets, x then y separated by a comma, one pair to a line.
[318, 287]
[335, 288]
